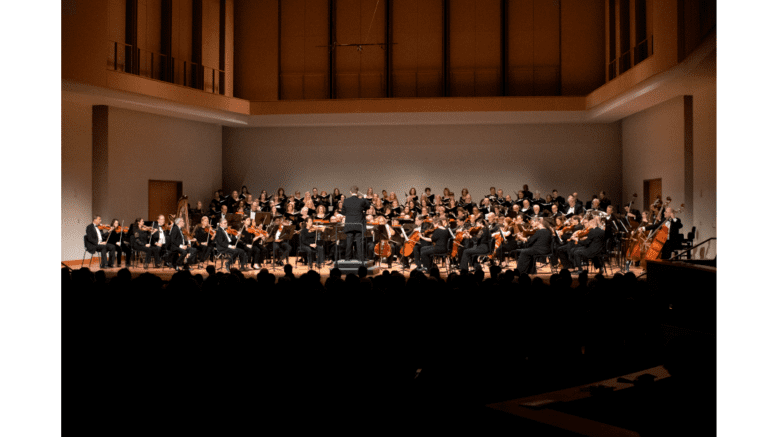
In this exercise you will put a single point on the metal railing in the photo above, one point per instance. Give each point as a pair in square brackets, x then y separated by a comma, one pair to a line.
[145, 63]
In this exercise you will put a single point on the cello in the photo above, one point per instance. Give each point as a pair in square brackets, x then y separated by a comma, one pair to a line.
[407, 249]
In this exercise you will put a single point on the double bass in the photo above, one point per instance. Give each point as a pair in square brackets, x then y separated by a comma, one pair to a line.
[661, 234]
[641, 242]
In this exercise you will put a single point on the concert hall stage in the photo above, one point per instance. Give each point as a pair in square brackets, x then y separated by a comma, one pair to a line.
[166, 273]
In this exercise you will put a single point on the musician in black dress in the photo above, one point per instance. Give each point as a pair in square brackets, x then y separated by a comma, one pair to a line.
[227, 245]
[481, 246]
[278, 245]
[353, 210]
[180, 244]
[141, 242]
[96, 241]
[309, 244]
[439, 243]
[251, 243]
[537, 244]
[204, 240]
[121, 241]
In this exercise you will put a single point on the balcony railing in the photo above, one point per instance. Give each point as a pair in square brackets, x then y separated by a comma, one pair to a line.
[630, 58]
[145, 63]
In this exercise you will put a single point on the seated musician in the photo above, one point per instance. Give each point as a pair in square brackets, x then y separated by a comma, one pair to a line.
[96, 241]
[481, 246]
[227, 245]
[439, 243]
[204, 240]
[509, 242]
[310, 244]
[255, 209]
[565, 243]
[279, 245]
[121, 241]
[251, 242]
[142, 243]
[180, 244]
[537, 244]
[391, 233]
[161, 238]
[588, 247]
[673, 225]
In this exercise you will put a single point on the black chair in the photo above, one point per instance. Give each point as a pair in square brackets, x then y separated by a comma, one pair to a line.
[544, 261]
[686, 244]
[218, 255]
[444, 258]
[89, 252]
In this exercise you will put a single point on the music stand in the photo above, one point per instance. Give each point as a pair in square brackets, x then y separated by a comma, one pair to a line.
[265, 218]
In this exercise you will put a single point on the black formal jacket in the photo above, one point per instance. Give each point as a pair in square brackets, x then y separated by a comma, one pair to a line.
[155, 237]
[222, 239]
[594, 243]
[440, 238]
[674, 231]
[578, 210]
[353, 210]
[176, 237]
[307, 237]
[540, 242]
[91, 237]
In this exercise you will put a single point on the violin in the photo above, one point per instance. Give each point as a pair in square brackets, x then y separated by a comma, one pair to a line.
[581, 235]
[231, 231]
[210, 231]
[122, 230]
[104, 227]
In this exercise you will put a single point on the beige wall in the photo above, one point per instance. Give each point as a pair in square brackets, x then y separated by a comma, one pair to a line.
[140, 147]
[76, 177]
[653, 147]
[582, 158]
[145, 147]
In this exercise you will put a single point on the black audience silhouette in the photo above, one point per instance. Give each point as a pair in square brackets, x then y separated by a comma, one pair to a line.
[345, 354]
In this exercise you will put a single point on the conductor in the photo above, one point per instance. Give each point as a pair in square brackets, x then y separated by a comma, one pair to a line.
[353, 210]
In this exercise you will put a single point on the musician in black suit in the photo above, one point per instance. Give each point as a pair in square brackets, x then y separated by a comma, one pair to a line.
[589, 247]
[675, 238]
[481, 246]
[161, 238]
[225, 244]
[353, 210]
[180, 244]
[439, 243]
[141, 242]
[537, 244]
[96, 241]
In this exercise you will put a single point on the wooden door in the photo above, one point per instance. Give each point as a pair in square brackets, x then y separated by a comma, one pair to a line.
[163, 198]
[652, 191]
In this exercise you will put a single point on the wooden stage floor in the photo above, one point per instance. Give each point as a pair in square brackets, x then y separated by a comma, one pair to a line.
[167, 272]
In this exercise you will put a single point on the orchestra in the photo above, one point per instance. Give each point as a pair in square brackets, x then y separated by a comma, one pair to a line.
[254, 230]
